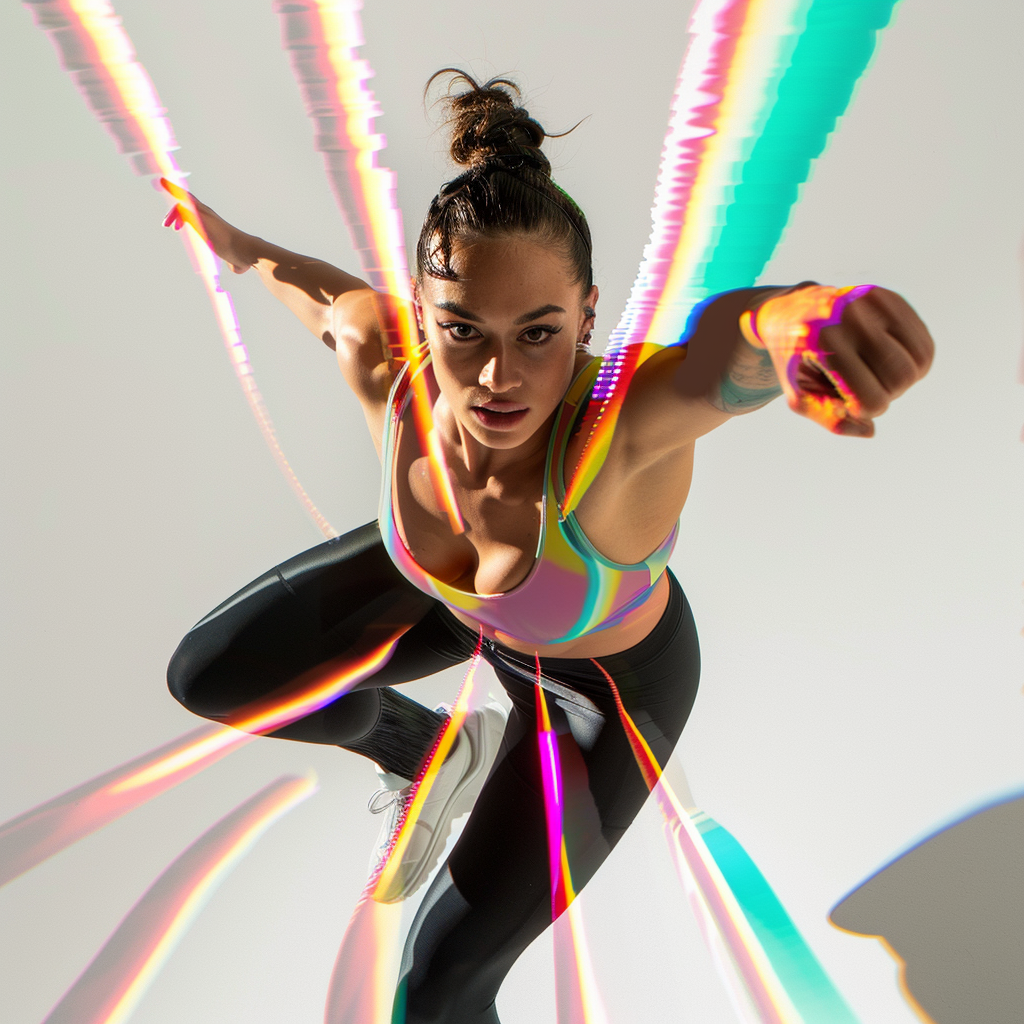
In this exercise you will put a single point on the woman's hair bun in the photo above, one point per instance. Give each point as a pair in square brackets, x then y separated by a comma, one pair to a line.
[506, 187]
[487, 124]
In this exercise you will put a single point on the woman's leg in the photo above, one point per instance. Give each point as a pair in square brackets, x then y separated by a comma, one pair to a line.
[314, 616]
[493, 899]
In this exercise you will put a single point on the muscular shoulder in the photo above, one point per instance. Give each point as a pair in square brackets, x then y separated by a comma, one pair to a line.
[363, 320]
[662, 414]
[643, 484]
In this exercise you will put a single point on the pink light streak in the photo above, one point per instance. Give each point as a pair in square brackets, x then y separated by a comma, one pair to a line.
[551, 777]
[577, 996]
[38, 834]
[708, 79]
[362, 988]
[95, 50]
[274, 711]
[109, 989]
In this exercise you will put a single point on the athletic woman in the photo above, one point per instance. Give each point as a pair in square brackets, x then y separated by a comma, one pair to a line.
[505, 300]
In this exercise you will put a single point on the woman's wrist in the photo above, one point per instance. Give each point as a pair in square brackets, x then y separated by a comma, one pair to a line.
[748, 318]
[251, 249]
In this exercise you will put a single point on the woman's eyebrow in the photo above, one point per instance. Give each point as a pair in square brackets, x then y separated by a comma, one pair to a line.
[537, 313]
[454, 307]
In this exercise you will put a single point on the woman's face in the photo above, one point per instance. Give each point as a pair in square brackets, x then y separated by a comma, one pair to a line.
[503, 336]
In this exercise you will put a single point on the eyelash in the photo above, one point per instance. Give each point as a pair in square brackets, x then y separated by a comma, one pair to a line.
[451, 327]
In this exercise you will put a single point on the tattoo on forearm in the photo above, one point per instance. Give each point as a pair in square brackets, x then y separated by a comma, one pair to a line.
[748, 383]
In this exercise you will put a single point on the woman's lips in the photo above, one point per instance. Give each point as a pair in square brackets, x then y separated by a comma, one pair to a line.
[500, 415]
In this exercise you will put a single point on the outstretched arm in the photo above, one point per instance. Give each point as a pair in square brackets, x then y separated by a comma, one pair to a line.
[308, 287]
[840, 356]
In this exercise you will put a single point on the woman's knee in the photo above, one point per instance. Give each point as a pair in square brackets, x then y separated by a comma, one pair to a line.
[244, 648]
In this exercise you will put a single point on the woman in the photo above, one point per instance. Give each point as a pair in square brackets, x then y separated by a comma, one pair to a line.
[505, 299]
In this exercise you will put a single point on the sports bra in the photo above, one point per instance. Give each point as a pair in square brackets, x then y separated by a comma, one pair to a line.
[571, 590]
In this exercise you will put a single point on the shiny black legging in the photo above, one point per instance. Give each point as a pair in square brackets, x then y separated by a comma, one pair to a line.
[330, 606]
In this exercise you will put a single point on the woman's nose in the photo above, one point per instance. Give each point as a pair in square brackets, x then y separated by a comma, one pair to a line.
[498, 374]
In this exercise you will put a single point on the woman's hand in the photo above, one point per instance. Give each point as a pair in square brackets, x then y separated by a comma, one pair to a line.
[234, 247]
[841, 354]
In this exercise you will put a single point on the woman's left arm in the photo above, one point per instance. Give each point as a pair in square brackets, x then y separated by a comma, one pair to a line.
[840, 356]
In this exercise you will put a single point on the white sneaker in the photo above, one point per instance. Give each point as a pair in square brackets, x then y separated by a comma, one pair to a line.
[453, 794]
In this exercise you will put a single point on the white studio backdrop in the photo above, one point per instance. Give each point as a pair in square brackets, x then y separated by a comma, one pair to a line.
[859, 602]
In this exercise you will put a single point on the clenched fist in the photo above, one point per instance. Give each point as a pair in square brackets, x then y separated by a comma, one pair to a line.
[841, 354]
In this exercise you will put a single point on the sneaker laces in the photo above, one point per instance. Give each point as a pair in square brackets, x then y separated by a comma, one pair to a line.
[400, 800]
[392, 797]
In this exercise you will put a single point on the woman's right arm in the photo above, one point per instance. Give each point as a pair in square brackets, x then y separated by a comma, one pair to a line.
[344, 312]
[310, 288]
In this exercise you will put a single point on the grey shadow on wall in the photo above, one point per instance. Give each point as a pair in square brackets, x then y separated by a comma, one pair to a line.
[950, 910]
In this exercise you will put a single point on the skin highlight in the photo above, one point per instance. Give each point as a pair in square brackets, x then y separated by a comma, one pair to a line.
[503, 336]
[505, 333]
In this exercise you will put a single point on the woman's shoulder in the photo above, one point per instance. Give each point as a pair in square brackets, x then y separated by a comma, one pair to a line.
[368, 327]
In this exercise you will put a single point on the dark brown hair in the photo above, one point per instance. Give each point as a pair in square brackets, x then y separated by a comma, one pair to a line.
[507, 186]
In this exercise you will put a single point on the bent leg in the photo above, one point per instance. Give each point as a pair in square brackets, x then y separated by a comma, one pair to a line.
[310, 618]
[493, 898]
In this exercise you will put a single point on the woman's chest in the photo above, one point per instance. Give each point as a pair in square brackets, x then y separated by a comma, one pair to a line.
[502, 523]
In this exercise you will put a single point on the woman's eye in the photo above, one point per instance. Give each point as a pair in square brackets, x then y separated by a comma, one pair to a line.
[461, 332]
[537, 335]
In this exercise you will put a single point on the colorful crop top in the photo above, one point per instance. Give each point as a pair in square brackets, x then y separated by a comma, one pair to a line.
[571, 590]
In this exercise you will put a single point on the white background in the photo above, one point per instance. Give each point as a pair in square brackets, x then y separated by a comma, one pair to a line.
[859, 602]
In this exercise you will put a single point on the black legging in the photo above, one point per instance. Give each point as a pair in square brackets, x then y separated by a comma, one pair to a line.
[315, 612]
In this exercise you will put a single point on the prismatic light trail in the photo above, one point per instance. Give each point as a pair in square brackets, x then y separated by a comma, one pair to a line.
[322, 37]
[761, 88]
[768, 965]
[96, 51]
[578, 998]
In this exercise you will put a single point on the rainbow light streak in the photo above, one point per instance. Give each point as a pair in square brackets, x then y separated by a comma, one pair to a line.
[322, 38]
[378, 887]
[38, 834]
[32, 837]
[265, 716]
[778, 974]
[362, 988]
[760, 90]
[109, 989]
[95, 50]
[578, 998]
[793, 323]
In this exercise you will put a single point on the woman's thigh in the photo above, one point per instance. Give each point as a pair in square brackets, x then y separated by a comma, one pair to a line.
[316, 615]
[493, 898]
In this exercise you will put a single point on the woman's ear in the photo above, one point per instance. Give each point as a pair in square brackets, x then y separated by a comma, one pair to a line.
[417, 303]
[589, 314]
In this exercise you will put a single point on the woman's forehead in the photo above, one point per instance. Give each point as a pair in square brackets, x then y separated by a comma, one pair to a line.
[512, 275]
